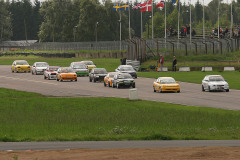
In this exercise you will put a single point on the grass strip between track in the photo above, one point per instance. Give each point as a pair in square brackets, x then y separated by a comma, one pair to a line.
[32, 117]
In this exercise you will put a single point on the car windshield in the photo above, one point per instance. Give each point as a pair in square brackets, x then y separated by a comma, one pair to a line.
[67, 70]
[126, 69]
[53, 69]
[111, 75]
[88, 63]
[167, 81]
[22, 63]
[124, 76]
[41, 65]
[216, 79]
[78, 66]
[100, 71]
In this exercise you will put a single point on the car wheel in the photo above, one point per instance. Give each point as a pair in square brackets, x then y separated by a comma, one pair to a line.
[227, 90]
[209, 89]
[109, 84]
[178, 91]
[154, 89]
[203, 88]
[160, 90]
[133, 86]
[118, 86]
[76, 80]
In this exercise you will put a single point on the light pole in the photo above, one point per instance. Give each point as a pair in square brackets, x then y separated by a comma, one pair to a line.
[203, 23]
[74, 32]
[97, 23]
[148, 25]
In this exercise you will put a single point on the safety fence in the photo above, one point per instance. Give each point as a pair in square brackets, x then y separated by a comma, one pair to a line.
[140, 49]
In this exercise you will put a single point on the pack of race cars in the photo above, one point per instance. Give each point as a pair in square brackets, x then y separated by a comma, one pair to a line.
[122, 77]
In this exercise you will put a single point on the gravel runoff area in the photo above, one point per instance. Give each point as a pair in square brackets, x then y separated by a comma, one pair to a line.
[189, 153]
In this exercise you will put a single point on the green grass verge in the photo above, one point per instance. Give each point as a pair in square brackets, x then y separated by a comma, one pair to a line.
[196, 76]
[33, 117]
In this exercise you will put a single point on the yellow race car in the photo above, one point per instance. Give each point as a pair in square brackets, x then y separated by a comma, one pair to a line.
[20, 66]
[166, 84]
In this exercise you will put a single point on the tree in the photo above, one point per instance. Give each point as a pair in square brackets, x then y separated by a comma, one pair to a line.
[5, 22]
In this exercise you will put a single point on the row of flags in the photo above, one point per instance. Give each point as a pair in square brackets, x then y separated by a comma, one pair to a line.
[144, 7]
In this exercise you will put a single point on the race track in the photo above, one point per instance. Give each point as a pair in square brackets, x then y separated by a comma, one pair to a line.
[191, 94]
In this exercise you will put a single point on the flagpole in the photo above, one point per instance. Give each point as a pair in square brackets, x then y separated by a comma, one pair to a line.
[178, 17]
[203, 22]
[190, 23]
[218, 18]
[141, 24]
[129, 19]
[165, 6]
[120, 31]
[231, 21]
[152, 18]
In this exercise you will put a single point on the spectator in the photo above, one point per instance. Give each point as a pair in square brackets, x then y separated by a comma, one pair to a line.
[174, 64]
[188, 28]
[193, 32]
[160, 63]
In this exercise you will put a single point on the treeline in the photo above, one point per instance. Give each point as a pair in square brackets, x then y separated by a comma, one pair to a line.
[90, 20]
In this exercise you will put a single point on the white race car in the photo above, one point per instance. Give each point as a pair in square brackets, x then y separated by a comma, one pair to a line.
[214, 83]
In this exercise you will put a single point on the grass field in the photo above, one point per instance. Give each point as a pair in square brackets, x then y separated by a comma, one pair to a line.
[33, 117]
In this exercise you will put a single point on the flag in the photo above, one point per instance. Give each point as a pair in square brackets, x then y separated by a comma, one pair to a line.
[137, 6]
[116, 7]
[147, 6]
[124, 6]
[160, 4]
[175, 1]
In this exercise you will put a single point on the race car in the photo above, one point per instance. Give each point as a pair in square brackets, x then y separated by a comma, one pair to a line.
[123, 80]
[50, 72]
[89, 64]
[108, 79]
[97, 74]
[166, 84]
[79, 68]
[214, 83]
[66, 73]
[20, 66]
[39, 67]
[127, 69]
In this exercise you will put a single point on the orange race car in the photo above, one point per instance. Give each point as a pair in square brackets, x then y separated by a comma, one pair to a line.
[66, 73]
[108, 79]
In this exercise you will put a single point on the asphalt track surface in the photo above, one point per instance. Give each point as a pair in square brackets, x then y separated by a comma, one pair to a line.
[191, 94]
[7, 146]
